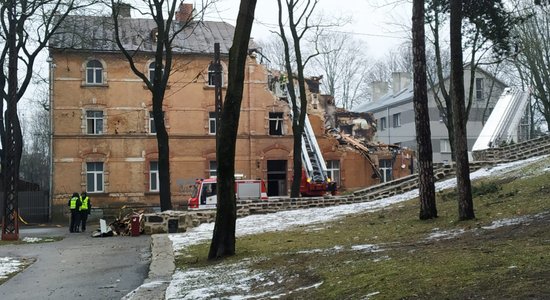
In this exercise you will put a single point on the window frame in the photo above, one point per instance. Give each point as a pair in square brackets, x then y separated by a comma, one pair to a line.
[383, 123]
[480, 87]
[333, 167]
[96, 73]
[154, 180]
[212, 126]
[444, 146]
[275, 118]
[97, 176]
[210, 77]
[95, 122]
[152, 126]
[385, 170]
[396, 120]
[212, 168]
[151, 68]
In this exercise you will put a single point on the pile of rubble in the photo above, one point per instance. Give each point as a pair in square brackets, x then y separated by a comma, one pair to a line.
[129, 224]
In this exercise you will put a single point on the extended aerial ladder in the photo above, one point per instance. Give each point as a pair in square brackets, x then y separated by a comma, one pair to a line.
[315, 181]
[504, 120]
[313, 161]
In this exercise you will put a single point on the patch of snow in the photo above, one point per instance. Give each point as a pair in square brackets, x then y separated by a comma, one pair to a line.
[445, 234]
[234, 280]
[367, 248]
[31, 239]
[506, 222]
[9, 265]
[381, 258]
[372, 294]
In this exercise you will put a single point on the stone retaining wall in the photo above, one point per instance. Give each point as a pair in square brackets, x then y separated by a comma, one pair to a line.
[524, 150]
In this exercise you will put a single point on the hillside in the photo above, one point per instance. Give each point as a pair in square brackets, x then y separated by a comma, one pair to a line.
[380, 250]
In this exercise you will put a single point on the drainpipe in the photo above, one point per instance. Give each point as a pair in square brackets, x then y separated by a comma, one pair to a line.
[51, 67]
[389, 125]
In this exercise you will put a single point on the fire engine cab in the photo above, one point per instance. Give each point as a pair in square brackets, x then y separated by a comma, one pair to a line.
[204, 195]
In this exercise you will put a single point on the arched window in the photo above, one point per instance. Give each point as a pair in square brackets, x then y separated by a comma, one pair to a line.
[94, 72]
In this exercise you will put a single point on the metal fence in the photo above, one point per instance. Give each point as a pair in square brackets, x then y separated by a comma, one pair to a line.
[34, 207]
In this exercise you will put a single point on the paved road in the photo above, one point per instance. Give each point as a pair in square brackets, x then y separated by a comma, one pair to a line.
[79, 266]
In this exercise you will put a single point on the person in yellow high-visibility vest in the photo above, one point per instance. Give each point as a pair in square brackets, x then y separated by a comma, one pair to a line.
[74, 206]
[84, 210]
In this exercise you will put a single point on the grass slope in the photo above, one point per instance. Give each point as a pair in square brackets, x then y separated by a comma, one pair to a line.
[390, 254]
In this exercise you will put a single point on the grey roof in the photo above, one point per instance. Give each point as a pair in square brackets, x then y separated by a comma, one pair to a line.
[388, 100]
[96, 33]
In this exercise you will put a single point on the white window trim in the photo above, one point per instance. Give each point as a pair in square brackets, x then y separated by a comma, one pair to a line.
[94, 70]
[383, 123]
[331, 170]
[154, 173]
[279, 121]
[95, 120]
[444, 146]
[212, 120]
[95, 175]
[396, 119]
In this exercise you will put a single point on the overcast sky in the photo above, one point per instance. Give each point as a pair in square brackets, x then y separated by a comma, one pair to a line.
[383, 26]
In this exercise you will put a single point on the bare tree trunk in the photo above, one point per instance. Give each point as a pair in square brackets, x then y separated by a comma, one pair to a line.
[464, 188]
[422, 119]
[223, 240]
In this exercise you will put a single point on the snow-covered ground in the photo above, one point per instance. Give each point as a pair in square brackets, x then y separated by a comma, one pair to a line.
[237, 278]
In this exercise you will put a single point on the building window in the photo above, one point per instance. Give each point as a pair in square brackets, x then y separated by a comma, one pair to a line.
[94, 122]
[383, 124]
[479, 89]
[213, 168]
[212, 75]
[212, 122]
[397, 120]
[445, 146]
[152, 71]
[275, 123]
[154, 176]
[333, 170]
[385, 170]
[152, 126]
[94, 72]
[94, 177]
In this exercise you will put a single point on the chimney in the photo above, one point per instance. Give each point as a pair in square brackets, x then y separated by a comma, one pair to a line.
[400, 80]
[185, 12]
[123, 10]
[379, 89]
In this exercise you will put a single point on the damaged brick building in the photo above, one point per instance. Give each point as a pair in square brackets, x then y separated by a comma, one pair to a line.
[104, 139]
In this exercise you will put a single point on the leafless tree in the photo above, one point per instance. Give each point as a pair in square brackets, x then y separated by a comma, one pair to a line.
[223, 240]
[299, 23]
[533, 56]
[166, 29]
[26, 28]
[344, 64]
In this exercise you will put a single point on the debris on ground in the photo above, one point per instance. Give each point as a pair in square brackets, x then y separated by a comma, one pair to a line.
[130, 224]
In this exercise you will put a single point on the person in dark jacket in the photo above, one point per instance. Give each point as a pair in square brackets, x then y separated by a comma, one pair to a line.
[74, 206]
[85, 208]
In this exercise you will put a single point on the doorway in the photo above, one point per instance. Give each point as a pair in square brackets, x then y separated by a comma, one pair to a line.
[276, 178]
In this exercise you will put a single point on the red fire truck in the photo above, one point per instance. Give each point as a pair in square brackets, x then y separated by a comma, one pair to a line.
[204, 194]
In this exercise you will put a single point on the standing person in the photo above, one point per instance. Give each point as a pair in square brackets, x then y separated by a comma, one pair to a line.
[74, 206]
[85, 208]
